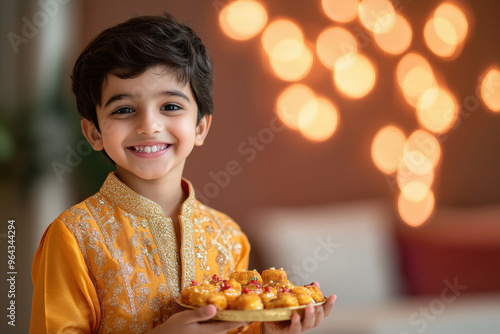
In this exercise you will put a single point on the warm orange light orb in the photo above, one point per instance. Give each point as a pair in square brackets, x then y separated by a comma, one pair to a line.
[422, 152]
[490, 89]
[340, 10]
[280, 30]
[414, 76]
[287, 49]
[243, 19]
[387, 149]
[437, 110]
[333, 43]
[293, 69]
[397, 39]
[446, 30]
[456, 18]
[354, 75]
[318, 119]
[416, 213]
[414, 187]
[378, 16]
[291, 101]
[436, 43]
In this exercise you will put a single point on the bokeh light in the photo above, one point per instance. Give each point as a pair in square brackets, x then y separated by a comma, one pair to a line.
[397, 39]
[291, 101]
[416, 171]
[414, 187]
[412, 161]
[422, 152]
[446, 30]
[457, 19]
[318, 119]
[287, 49]
[243, 19]
[378, 16]
[416, 213]
[490, 89]
[340, 10]
[279, 30]
[354, 75]
[434, 42]
[387, 149]
[437, 110]
[293, 69]
[333, 43]
[414, 75]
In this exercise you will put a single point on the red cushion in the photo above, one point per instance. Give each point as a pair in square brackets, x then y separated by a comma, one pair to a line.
[457, 246]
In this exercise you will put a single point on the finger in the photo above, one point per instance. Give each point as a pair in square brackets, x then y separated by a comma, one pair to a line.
[200, 314]
[328, 306]
[295, 324]
[309, 318]
[320, 314]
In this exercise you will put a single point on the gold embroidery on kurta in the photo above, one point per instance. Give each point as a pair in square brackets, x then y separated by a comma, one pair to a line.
[131, 252]
[164, 235]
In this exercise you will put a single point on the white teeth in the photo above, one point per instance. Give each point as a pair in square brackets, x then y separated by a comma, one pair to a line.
[149, 149]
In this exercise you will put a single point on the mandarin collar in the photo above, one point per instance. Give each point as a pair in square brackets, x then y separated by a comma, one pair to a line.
[120, 194]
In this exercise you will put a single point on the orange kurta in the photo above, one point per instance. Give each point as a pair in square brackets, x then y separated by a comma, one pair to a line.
[111, 263]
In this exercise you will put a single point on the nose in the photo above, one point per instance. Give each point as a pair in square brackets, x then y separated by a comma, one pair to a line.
[149, 122]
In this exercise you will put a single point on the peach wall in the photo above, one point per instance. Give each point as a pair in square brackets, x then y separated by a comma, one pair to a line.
[286, 169]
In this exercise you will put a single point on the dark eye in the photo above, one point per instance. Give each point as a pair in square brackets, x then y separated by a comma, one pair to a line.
[170, 107]
[123, 110]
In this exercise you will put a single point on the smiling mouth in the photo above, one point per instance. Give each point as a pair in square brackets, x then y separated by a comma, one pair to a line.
[149, 148]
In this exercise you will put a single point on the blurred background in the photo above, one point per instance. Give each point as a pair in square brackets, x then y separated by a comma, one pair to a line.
[357, 144]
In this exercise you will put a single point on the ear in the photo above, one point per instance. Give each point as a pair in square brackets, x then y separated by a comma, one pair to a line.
[93, 136]
[202, 130]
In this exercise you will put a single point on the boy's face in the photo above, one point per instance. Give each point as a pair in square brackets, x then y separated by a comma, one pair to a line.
[147, 124]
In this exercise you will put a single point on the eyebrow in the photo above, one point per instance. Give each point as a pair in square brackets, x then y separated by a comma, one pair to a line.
[174, 92]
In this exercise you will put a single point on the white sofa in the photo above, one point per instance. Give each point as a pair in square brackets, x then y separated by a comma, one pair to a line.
[351, 250]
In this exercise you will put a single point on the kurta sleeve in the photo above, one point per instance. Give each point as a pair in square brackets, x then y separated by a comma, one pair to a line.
[64, 297]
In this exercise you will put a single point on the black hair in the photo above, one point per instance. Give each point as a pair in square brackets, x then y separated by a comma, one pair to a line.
[128, 49]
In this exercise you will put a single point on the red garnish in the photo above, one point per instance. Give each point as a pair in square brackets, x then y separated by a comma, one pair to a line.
[245, 290]
[285, 290]
[225, 285]
[254, 281]
[268, 289]
[193, 283]
[215, 279]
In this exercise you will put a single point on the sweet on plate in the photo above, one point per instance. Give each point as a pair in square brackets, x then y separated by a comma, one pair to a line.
[248, 290]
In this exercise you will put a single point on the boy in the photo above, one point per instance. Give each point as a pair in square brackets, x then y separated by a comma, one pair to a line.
[117, 262]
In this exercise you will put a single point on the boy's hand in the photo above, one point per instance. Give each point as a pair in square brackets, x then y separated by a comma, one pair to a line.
[313, 316]
[188, 322]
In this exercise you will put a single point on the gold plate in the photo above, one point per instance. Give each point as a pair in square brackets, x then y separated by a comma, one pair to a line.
[273, 314]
